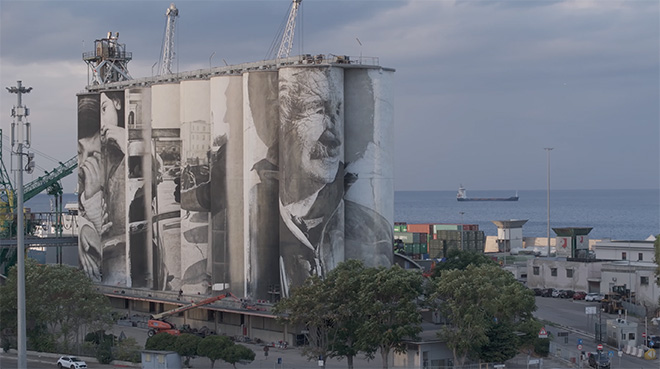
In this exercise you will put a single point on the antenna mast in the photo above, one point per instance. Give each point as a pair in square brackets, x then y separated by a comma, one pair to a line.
[168, 41]
[287, 37]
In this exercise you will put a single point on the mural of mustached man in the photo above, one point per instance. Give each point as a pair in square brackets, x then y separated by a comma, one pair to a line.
[311, 173]
[102, 179]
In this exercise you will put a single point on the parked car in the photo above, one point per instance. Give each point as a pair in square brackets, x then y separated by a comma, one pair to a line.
[653, 342]
[547, 292]
[599, 360]
[71, 362]
[579, 295]
[556, 293]
[537, 291]
[591, 297]
[566, 294]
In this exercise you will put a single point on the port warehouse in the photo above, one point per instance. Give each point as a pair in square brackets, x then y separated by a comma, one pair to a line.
[208, 148]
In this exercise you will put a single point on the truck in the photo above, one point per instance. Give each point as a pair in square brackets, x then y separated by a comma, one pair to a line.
[158, 323]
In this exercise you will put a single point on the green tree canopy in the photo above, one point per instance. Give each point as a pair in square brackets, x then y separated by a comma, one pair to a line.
[186, 346]
[481, 303]
[459, 259]
[213, 347]
[61, 303]
[389, 301]
[161, 342]
[356, 309]
[238, 353]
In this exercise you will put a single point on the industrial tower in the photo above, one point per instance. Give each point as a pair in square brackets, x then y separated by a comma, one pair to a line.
[109, 61]
[287, 37]
[167, 57]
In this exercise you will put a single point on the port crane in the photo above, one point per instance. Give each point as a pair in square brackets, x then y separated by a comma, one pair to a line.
[168, 54]
[287, 37]
[158, 324]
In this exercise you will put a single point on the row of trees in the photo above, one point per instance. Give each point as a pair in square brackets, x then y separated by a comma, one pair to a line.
[356, 309]
[212, 347]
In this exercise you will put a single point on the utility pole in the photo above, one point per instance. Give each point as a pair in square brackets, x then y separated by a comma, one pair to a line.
[547, 151]
[18, 140]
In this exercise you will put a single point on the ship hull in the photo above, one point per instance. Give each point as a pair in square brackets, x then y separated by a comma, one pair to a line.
[512, 198]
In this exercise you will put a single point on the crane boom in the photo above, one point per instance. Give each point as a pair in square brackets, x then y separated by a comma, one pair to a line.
[287, 37]
[52, 178]
[168, 41]
[193, 305]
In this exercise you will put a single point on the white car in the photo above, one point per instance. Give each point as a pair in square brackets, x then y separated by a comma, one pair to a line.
[593, 297]
[70, 362]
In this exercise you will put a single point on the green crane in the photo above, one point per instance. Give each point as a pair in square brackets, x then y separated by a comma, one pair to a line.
[49, 182]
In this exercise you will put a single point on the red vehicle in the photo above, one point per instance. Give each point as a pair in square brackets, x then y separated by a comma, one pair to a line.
[579, 295]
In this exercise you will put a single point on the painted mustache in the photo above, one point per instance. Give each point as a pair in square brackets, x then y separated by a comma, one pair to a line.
[328, 146]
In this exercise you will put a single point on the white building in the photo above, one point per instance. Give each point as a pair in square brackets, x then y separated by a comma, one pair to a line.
[642, 251]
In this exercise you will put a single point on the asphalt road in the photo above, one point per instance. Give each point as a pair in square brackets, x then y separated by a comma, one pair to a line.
[569, 316]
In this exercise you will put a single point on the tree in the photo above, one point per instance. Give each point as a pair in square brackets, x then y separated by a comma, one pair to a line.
[161, 342]
[481, 303]
[388, 299]
[460, 259]
[355, 309]
[61, 304]
[307, 306]
[213, 347]
[186, 346]
[656, 248]
[235, 353]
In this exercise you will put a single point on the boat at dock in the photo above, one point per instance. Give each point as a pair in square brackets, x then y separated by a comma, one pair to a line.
[462, 196]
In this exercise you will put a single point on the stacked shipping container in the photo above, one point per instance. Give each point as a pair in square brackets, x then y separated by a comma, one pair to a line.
[428, 240]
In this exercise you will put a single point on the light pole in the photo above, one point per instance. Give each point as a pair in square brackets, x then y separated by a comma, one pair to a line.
[547, 153]
[211, 58]
[462, 243]
[18, 141]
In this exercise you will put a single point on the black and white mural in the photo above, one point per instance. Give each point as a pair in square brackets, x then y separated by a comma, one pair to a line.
[139, 191]
[249, 182]
[261, 136]
[102, 178]
[369, 178]
[195, 186]
[311, 172]
[165, 153]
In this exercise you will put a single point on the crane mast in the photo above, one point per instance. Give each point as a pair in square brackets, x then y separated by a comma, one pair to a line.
[168, 41]
[287, 37]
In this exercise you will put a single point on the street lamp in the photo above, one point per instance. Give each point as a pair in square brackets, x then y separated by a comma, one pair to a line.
[462, 243]
[547, 152]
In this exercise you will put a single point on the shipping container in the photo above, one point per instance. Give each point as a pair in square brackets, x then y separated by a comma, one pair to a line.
[446, 227]
[406, 237]
[420, 228]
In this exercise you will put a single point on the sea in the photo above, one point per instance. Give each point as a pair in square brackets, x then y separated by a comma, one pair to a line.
[614, 214]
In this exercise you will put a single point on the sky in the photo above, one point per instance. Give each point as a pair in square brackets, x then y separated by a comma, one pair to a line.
[480, 88]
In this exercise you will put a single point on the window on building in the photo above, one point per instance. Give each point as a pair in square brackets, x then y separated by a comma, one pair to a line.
[640, 256]
[535, 270]
[623, 256]
[644, 281]
[553, 272]
[569, 273]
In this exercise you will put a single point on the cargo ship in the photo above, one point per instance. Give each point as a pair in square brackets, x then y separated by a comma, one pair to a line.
[462, 196]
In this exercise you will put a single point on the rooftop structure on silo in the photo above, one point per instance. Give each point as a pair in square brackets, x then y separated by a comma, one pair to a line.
[108, 62]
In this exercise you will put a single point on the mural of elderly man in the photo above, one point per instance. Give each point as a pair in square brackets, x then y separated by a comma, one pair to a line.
[311, 173]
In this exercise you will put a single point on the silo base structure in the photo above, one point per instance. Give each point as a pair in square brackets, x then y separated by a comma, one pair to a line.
[248, 178]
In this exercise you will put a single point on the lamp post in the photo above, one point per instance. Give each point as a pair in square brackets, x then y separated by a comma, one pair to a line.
[462, 243]
[19, 139]
[547, 152]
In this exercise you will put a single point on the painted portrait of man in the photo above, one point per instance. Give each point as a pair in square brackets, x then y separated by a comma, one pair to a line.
[311, 173]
